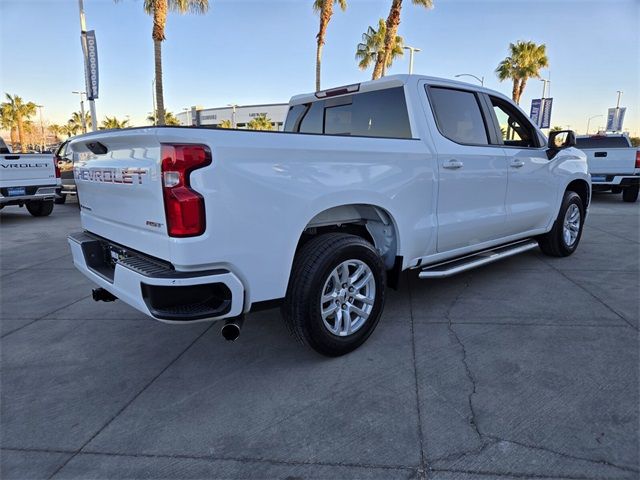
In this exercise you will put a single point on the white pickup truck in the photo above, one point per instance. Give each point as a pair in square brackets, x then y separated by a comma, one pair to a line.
[407, 172]
[614, 164]
[30, 180]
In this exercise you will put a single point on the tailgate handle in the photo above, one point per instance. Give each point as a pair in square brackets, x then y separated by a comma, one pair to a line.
[97, 148]
[12, 157]
[600, 154]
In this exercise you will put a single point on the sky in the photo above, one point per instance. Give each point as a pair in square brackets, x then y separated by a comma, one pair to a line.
[258, 51]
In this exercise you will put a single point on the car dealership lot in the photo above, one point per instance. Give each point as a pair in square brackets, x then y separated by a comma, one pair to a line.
[525, 368]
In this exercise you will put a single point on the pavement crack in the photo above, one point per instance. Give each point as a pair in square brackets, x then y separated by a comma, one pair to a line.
[565, 455]
[472, 414]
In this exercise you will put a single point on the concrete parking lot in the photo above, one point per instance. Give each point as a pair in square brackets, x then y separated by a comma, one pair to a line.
[524, 369]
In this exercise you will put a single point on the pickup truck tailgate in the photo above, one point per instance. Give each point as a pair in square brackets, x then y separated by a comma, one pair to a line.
[619, 161]
[118, 177]
[26, 170]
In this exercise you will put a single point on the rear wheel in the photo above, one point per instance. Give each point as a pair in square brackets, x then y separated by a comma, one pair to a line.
[630, 194]
[40, 209]
[565, 235]
[336, 293]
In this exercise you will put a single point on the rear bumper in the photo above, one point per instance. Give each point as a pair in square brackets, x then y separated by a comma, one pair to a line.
[31, 194]
[615, 180]
[153, 287]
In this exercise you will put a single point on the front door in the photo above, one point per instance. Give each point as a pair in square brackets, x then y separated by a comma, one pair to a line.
[531, 189]
[472, 171]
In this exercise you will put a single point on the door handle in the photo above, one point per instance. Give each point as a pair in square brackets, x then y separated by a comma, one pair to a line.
[600, 154]
[453, 164]
[517, 164]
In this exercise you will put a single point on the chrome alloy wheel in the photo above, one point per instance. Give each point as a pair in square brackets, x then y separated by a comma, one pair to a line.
[571, 226]
[348, 297]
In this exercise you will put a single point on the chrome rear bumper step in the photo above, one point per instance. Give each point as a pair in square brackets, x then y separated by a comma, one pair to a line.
[462, 264]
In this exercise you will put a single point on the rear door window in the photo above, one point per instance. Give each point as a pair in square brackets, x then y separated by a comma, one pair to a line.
[458, 115]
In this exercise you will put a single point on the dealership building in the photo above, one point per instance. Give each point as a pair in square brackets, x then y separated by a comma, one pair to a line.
[238, 115]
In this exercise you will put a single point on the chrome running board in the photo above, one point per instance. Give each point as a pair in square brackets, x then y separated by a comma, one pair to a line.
[462, 264]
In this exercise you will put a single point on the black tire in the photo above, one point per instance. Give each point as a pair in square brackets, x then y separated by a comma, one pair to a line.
[553, 243]
[60, 200]
[616, 190]
[312, 267]
[40, 209]
[630, 194]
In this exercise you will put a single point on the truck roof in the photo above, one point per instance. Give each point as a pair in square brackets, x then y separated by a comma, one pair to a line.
[389, 81]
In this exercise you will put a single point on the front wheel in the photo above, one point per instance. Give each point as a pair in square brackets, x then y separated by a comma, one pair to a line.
[565, 235]
[41, 208]
[336, 293]
[630, 194]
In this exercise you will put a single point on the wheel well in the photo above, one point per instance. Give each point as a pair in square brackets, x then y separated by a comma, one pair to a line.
[372, 223]
[581, 188]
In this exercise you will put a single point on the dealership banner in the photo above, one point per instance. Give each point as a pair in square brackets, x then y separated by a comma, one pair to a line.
[615, 119]
[536, 105]
[90, 52]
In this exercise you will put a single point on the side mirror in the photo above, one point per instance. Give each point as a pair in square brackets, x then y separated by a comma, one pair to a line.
[559, 140]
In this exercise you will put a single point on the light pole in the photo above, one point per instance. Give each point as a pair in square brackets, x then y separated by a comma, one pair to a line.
[233, 113]
[92, 103]
[43, 140]
[412, 51]
[545, 82]
[84, 119]
[589, 121]
[480, 79]
[619, 92]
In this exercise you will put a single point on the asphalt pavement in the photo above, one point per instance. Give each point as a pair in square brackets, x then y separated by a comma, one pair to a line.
[527, 368]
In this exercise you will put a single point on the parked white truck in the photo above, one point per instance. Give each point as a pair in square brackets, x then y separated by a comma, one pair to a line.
[30, 180]
[614, 164]
[406, 172]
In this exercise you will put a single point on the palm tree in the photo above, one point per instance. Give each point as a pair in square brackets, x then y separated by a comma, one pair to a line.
[325, 9]
[524, 62]
[76, 119]
[169, 119]
[21, 112]
[113, 123]
[159, 9]
[225, 124]
[373, 45]
[393, 21]
[70, 129]
[55, 130]
[8, 122]
[261, 122]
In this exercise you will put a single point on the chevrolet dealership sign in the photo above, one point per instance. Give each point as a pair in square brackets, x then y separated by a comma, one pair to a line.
[90, 52]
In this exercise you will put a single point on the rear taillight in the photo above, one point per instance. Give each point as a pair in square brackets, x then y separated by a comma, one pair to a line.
[183, 206]
[55, 166]
[637, 158]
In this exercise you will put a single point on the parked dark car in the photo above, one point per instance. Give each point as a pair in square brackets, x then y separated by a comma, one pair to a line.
[64, 160]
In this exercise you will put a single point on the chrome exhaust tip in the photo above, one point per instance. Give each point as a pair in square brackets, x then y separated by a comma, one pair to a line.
[232, 328]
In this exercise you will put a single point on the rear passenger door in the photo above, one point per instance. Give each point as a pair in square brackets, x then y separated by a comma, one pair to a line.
[472, 170]
[532, 188]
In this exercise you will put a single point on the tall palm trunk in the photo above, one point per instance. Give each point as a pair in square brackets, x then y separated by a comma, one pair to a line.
[514, 90]
[393, 22]
[159, 21]
[325, 16]
[12, 134]
[160, 114]
[523, 83]
[21, 134]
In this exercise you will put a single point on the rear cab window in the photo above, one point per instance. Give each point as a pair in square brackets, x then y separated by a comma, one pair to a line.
[378, 114]
[458, 115]
[600, 141]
